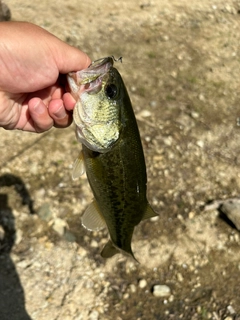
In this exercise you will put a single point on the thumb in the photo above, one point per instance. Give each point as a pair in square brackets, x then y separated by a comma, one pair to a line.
[69, 58]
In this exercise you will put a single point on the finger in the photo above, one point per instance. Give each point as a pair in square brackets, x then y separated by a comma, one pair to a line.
[69, 101]
[46, 94]
[71, 59]
[57, 93]
[62, 118]
[39, 115]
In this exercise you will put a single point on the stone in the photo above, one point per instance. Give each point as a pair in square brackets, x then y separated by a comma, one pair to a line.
[161, 291]
[69, 236]
[44, 212]
[59, 226]
[142, 283]
[94, 315]
[231, 209]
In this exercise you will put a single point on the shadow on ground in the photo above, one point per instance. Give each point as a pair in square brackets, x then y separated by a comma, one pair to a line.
[12, 300]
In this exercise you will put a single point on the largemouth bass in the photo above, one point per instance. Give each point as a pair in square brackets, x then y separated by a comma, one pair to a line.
[112, 154]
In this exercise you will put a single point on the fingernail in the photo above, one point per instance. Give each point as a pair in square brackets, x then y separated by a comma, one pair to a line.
[60, 113]
[39, 107]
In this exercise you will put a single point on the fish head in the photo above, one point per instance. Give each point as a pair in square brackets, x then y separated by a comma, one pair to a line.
[97, 113]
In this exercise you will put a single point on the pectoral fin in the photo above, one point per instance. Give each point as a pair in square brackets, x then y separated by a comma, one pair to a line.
[149, 213]
[92, 218]
[78, 167]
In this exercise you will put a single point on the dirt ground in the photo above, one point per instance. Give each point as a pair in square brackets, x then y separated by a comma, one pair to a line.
[181, 65]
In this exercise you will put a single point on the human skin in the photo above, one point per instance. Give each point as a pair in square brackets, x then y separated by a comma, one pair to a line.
[33, 65]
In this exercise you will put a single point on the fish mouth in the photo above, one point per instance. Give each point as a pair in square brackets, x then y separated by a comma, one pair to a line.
[89, 79]
[96, 69]
[91, 83]
[88, 82]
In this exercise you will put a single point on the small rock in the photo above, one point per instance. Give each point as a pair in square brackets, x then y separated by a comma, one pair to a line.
[185, 121]
[161, 291]
[168, 141]
[191, 215]
[69, 236]
[171, 298]
[44, 212]
[59, 226]
[231, 208]
[236, 237]
[89, 284]
[231, 310]
[194, 115]
[153, 103]
[33, 168]
[154, 219]
[133, 288]
[23, 264]
[40, 193]
[199, 309]
[174, 74]
[179, 277]
[142, 283]
[144, 114]
[200, 143]
[19, 236]
[133, 89]
[94, 315]
[230, 9]
[201, 97]
[2, 233]
[94, 244]
[180, 56]
[165, 38]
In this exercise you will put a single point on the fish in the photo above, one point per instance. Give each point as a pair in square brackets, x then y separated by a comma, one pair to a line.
[112, 155]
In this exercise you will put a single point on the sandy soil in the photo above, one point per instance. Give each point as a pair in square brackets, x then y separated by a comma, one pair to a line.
[181, 65]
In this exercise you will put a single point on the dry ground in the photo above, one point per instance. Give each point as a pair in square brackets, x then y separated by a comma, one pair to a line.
[181, 65]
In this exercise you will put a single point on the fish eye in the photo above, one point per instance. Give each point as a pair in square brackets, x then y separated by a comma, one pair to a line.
[111, 91]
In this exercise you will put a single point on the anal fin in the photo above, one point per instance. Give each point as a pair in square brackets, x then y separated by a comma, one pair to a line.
[109, 250]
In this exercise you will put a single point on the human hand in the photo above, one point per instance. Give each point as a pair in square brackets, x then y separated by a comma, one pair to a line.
[33, 65]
